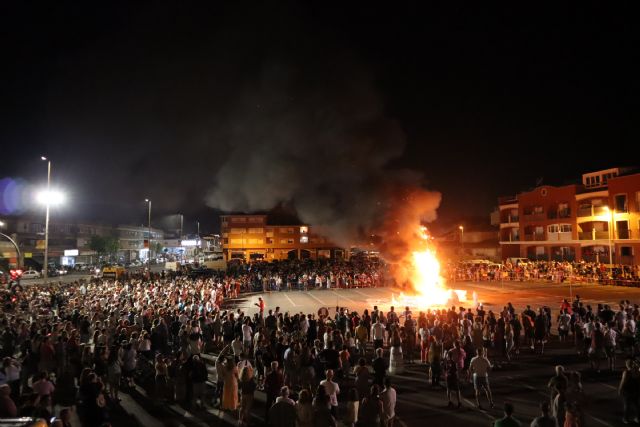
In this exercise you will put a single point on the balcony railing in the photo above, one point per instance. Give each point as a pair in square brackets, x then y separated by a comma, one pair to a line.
[510, 219]
[506, 200]
[624, 234]
[592, 211]
[538, 216]
[510, 238]
[593, 235]
[534, 236]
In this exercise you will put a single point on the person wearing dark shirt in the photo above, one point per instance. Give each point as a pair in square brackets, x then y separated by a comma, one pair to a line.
[330, 357]
[273, 382]
[379, 368]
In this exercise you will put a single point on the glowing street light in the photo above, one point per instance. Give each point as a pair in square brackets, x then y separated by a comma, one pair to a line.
[461, 228]
[52, 197]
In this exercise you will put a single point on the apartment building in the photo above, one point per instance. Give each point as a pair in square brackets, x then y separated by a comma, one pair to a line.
[597, 219]
[256, 237]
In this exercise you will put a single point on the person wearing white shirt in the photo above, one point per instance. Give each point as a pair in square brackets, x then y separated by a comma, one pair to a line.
[332, 390]
[247, 334]
[388, 396]
[284, 396]
[377, 334]
[479, 369]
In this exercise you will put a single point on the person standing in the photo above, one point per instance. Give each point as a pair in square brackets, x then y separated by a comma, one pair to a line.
[388, 396]
[479, 370]
[452, 380]
[230, 388]
[545, 419]
[508, 420]
[379, 368]
[273, 382]
[629, 390]
[332, 390]
[377, 334]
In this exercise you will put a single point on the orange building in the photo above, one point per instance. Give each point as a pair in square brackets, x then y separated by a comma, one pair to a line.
[252, 237]
[596, 220]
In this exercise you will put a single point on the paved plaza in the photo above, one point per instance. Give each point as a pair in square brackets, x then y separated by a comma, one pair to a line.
[522, 381]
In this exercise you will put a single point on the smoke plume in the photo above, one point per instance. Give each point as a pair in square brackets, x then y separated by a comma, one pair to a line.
[320, 141]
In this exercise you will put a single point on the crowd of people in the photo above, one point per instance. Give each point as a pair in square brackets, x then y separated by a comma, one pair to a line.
[553, 271]
[79, 345]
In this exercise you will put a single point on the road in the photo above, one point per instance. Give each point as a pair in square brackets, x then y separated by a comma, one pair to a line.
[522, 381]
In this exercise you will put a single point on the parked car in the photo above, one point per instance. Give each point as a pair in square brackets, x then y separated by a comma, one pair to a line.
[31, 274]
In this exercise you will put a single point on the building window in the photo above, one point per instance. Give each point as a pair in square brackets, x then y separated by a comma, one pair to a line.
[565, 228]
[255, 219]
[239, 219]
[256, 230]
[269, 241]
[626, 251]
[286, 230]
[236, 241]
[304, 239]
[284, 241]
[304, 229]
[238, 230]
[621, 203]
[553, 228]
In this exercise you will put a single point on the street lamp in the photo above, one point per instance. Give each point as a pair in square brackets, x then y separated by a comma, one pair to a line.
[48, 198]
[149, 255]
[610, 234]
[461, 228]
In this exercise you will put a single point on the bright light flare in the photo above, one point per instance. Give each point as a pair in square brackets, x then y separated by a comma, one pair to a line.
[429, 285]
[52, 197]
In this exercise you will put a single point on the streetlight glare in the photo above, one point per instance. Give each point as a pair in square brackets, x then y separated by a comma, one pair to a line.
[43, 158]
[146, 200]
[52, 197]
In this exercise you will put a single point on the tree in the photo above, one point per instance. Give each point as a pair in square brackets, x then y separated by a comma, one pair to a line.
[104, 245]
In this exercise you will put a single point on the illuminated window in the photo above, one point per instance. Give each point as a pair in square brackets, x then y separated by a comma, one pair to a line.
[304, 239]
[304, 230]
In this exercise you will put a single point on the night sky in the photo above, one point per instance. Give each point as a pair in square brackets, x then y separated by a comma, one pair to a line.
[147, 99]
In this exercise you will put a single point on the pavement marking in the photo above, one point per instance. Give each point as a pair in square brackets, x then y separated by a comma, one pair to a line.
[485, 413]
[338, 296]
[608, 386]
[290, 300]
[604, 423]
[316, 298]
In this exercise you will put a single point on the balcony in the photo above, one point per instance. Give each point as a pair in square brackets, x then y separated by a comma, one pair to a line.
[535, 216]
[592, 211]
[534, 236]
[507, 200]
[624, 234]
[510, 238]
[593, 235]
[562, 213]
[511, 219]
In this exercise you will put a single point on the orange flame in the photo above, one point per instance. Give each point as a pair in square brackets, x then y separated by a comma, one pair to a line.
[431, 291]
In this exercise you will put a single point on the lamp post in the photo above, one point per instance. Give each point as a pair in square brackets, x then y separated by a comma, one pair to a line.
[46, 221]
[461, 228]
[149, 239]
